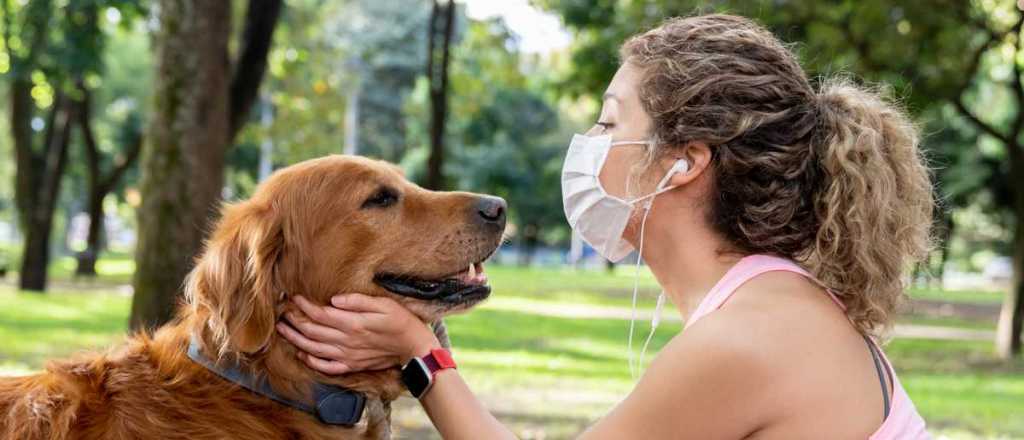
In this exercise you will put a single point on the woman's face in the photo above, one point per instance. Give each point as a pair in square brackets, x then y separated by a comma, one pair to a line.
[623, 117]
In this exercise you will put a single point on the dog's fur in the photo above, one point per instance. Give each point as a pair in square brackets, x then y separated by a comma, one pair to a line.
[308, 230]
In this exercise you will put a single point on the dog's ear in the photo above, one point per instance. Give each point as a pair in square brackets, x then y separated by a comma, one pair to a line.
[235, 279]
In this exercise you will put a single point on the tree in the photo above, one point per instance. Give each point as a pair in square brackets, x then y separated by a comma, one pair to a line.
[51, 52]
[201, 102]
[1009, 173]
[936, 54]
[39, 220]
[439, 37]
[100, 184]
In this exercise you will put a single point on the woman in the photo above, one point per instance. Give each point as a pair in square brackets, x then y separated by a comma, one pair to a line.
[738, 169]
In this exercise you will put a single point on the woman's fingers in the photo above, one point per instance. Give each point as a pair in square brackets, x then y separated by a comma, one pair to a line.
[305, 344]
[357, 302]
[335, 367]
[330, 316]
[312, 330]
[323, 365]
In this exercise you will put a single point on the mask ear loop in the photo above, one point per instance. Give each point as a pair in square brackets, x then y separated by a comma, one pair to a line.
[636, 288]
[681, 166]
[655, 320]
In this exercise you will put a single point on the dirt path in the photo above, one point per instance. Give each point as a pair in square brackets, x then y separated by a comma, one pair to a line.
[935, 308]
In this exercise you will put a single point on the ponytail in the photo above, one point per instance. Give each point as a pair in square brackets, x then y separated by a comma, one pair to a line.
[875, 204]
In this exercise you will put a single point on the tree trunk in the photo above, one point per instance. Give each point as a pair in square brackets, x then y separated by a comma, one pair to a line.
[945, 239]
[183, 160]
[1011, 317]
[199, 106]
[29, 162]
[87, 258]
[36, 254]
[99, 186]
[437, 73]
[260, 21]
[26, 179]
[94, 208]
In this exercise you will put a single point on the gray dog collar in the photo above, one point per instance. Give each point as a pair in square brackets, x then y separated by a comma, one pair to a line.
[332, 405]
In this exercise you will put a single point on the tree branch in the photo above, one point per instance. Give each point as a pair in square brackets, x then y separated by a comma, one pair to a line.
[131, 154]
[973, 64]
[260, 21]
[961, 106]
[97, 181]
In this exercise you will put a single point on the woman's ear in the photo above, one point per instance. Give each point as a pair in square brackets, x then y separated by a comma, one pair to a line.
[698, 157]
[235, 278]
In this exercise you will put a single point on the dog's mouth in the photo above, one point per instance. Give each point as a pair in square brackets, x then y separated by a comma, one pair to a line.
[466, 286]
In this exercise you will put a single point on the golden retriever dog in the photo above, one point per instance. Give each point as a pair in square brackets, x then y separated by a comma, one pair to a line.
[326, 226]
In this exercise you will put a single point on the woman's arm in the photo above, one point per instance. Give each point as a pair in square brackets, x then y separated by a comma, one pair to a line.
[712, 383]
[362, 333]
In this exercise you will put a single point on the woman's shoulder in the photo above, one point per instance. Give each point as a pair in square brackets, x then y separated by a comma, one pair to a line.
[779, 325]
[786, 330]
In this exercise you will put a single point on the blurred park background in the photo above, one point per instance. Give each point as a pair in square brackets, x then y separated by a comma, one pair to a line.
[126, 122]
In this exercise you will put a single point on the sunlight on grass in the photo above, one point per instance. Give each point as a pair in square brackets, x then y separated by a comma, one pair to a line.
[37, 327]
[117, 268]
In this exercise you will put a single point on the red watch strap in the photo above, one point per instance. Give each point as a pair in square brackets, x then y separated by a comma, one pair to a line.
[438, 359]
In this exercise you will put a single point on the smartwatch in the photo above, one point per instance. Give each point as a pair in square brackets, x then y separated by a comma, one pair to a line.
[418, 374]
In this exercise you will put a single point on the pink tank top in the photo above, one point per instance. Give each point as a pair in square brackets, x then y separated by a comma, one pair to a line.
[902, 422]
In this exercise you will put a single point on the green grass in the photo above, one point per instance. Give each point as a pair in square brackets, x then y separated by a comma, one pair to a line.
[958, 296]
[543, 368]
[112, 268]
[960, 384]
[36, 327]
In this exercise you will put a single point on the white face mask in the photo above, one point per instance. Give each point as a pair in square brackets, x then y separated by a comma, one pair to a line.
[600, 218]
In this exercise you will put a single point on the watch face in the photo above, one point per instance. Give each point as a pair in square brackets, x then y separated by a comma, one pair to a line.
[416, 377]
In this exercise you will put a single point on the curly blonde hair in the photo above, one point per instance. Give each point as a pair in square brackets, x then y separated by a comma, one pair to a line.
[831, 178]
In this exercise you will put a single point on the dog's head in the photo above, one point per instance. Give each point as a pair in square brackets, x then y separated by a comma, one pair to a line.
[338, 225]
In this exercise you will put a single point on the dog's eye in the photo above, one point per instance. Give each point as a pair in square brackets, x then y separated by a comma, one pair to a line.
[383, 198]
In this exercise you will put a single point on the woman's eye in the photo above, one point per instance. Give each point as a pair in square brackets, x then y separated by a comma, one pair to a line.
[381, 199]
[605, 125]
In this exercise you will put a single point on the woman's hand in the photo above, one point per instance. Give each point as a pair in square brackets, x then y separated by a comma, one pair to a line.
[355, 333]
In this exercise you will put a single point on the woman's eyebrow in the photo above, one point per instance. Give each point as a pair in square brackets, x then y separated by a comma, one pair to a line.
[609, 95]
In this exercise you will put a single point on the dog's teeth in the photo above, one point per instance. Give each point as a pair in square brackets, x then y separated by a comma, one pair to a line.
[471, 271]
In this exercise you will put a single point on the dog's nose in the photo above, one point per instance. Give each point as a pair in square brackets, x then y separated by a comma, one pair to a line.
[492, 210]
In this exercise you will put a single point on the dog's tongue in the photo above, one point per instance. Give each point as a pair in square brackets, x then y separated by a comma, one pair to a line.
[473, 275]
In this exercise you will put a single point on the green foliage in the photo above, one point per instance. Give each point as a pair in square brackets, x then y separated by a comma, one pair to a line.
[904, 44]
[304, 90]
[57, 43]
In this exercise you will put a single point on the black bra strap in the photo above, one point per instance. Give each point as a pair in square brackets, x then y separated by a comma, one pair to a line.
[882, 374]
